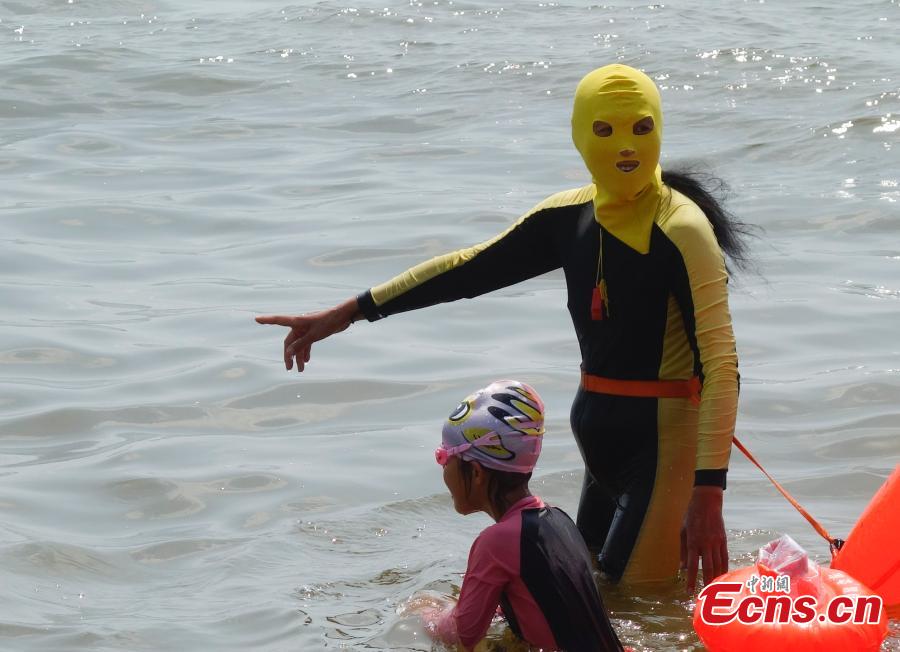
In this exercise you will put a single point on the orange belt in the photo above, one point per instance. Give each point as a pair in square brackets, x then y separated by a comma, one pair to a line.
[643, 388]
[691, 389]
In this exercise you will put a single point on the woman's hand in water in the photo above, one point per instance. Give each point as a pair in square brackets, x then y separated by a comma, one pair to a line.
[311, 327]
[703, 536]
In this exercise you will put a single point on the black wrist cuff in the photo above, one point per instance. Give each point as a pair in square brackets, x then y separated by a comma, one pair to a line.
[710, 478]
[367, 306]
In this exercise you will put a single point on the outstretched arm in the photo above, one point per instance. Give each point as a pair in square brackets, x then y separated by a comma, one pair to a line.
[525, 250]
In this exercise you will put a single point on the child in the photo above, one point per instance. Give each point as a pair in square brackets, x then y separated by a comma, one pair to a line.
[532, 561]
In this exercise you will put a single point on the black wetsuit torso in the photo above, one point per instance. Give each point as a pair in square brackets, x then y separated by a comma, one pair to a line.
[554, 567]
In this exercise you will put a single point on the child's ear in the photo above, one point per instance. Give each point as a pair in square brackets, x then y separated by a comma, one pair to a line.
[478, 473]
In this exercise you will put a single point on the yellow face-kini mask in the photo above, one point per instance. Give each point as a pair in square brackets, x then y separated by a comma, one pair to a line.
[617, 129]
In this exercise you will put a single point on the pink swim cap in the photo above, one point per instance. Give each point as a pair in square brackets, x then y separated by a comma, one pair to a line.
[508, 417]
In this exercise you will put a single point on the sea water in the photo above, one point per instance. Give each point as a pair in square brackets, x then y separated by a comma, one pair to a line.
[171, 169]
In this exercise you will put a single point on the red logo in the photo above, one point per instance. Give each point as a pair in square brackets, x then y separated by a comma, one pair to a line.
[722, 603]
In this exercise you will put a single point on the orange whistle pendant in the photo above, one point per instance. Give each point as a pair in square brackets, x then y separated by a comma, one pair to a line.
[597, 304]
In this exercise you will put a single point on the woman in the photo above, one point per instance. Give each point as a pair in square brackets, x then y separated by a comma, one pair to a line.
[646, 279]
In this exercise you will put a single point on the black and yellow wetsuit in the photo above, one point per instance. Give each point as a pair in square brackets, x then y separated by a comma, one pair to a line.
[665, 317]
[668, 318]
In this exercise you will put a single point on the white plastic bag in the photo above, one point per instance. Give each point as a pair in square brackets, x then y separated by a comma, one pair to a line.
[784, 556]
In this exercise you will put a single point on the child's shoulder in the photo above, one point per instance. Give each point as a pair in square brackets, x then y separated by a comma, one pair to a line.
[500, 532]
[510, 526]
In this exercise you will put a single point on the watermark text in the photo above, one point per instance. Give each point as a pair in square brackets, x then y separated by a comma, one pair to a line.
[721, 603]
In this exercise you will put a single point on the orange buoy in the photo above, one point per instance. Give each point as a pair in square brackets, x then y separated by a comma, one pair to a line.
[786, 602]
[871, 553]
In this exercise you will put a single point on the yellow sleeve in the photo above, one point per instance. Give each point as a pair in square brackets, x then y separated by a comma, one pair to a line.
[524, 250]
[690, 231]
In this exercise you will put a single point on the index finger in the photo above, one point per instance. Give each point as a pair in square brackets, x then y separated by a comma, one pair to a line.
[693, 558]
[277, 320]
[723, 559]
[710, 564]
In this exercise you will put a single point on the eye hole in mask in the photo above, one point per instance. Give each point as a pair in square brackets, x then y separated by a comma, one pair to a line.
[642, 127]
[602, 129]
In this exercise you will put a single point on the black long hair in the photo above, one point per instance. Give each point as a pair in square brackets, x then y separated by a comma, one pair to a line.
[710, 193]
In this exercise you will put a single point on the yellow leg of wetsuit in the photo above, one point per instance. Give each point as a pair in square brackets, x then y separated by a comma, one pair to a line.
[656, 554]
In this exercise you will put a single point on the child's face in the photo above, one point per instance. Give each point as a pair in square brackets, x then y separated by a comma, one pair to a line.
[453, 478]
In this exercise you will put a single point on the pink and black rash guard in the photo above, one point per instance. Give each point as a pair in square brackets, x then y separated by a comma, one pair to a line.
[534, 564]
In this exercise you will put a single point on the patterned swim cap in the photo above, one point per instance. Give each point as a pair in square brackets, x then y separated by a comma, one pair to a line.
[508, 416]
